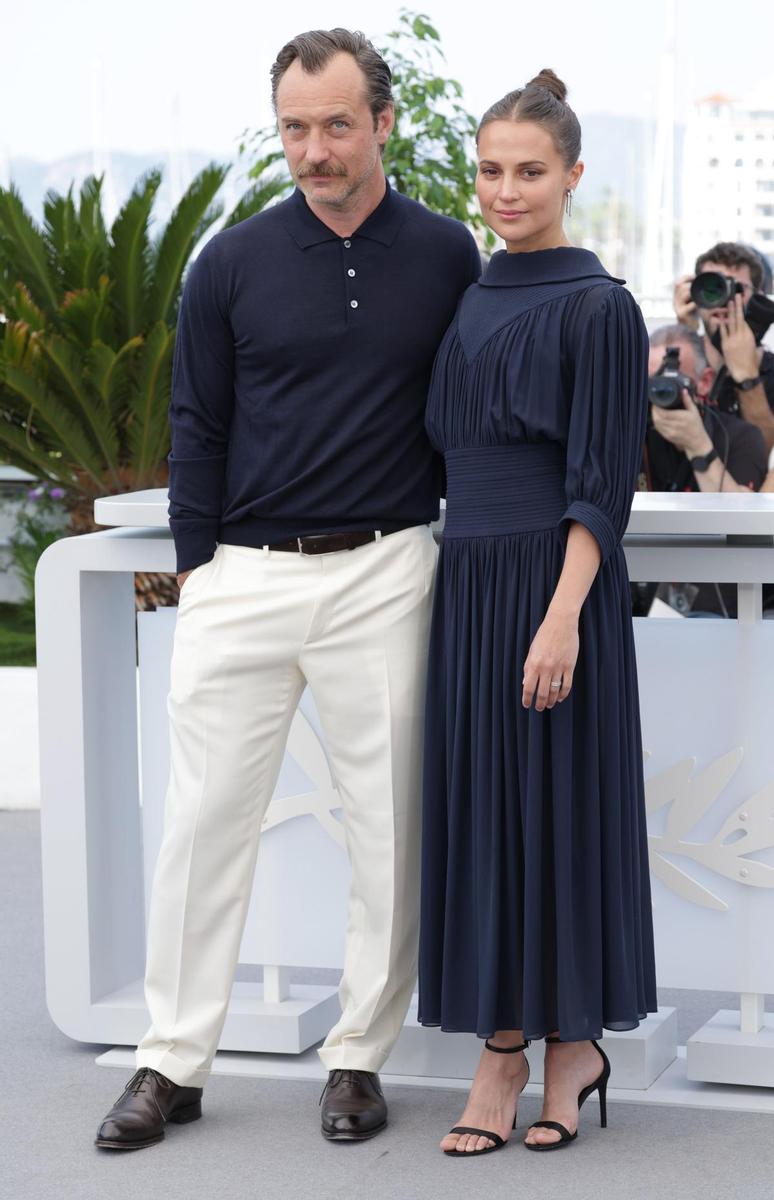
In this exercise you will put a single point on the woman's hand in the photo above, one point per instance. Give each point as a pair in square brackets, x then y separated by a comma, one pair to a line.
[552, 657]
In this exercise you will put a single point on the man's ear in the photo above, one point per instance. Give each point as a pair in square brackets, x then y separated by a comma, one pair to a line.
[385, 123]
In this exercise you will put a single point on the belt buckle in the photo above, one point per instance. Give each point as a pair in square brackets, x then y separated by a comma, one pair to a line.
[311, 537]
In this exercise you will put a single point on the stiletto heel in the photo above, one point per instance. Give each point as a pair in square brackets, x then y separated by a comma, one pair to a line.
[599, 1084]
[488, 1133]
[603, 1104]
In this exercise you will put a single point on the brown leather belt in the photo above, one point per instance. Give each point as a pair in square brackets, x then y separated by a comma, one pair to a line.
[327, 543]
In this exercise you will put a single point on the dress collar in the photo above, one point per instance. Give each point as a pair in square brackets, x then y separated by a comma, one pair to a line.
[381, 225]
[528, 268]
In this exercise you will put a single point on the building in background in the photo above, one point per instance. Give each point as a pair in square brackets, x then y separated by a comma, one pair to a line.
[728, 173]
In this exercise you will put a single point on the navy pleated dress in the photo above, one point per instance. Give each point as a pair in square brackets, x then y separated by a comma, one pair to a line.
[536, 906]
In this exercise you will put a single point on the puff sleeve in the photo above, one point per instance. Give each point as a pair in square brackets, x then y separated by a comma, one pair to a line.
[608, 416]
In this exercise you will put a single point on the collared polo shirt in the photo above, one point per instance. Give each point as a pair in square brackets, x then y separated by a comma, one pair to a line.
[301, 369]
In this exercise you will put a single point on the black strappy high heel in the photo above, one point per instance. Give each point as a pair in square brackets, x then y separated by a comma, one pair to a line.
[565, 1136]
[488, 1133]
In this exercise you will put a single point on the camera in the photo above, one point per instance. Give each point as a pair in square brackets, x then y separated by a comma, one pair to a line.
[665, 387]
[711, 289]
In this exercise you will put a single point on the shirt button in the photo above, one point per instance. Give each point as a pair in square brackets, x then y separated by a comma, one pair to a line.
[353, 304]
[351, 272]
[348, 243]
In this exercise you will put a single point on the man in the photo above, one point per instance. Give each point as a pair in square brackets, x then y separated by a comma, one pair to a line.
[746, 386]
[302, 485]
[696, 449]
[693, 449]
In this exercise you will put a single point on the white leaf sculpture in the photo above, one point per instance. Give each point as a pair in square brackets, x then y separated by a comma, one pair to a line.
[749, 828]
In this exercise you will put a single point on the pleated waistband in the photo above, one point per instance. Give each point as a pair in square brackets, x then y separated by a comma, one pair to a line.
[504, 489]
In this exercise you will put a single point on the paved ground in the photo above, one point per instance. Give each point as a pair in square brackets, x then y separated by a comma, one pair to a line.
[259, 1138]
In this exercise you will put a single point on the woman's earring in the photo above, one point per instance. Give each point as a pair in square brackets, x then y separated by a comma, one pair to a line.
[568, 203]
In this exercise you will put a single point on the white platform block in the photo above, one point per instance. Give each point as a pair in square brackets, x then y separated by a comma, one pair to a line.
[720, 1052]
[288, 1026]
[672, 1088]
[637, 1057]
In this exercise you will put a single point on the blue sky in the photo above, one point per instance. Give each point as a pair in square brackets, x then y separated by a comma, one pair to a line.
[197, 73]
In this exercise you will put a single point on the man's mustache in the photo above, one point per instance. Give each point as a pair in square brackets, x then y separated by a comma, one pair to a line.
[325, 172]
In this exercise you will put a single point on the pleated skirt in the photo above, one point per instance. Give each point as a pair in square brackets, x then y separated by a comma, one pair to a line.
[536, 904]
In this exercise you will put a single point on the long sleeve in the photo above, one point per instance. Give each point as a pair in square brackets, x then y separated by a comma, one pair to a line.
[607, 419]
[200, 412]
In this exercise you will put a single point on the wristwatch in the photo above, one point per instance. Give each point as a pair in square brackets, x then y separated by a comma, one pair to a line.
[745, 385]
[702, 461]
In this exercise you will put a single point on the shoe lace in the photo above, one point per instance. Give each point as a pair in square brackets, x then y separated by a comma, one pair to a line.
[138, 1080]
[343, 1075]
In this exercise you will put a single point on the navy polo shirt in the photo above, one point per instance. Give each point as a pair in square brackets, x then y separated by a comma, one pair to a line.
[301, 369]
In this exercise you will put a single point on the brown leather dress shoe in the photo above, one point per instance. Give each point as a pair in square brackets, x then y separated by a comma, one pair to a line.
[353, 1107]
[142, 1110]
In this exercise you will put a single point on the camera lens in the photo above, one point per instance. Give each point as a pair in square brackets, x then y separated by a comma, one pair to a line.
[664, 392]
[710, 289]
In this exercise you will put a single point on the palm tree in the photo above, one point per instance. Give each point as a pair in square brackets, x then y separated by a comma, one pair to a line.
[87, 330]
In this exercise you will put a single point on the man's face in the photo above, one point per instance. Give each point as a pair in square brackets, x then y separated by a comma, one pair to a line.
[742, 274]
[703, 382]
[327, 130]
[687, 364]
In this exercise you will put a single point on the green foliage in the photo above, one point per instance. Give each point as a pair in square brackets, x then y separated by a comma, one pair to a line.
[87, 330]
[17, 635]
[39, 521]
[430, 153]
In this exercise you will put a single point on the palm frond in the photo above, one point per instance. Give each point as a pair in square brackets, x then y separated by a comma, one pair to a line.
[95, 415]
[257, 198]
[60, 429]
[87, 315]
[149, 405]
[130, 257]
[189, 222]
[23, 247]
[110, 372]
[20, 452]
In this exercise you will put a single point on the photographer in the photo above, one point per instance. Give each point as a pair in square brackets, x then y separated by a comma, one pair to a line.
[690, 446]
[744, 380]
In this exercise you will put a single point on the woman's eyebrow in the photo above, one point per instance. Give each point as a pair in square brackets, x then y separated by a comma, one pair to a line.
[530, 162]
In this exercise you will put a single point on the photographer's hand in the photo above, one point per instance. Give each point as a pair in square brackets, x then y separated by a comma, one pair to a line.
[737, 340]
[685, 309]
[685, 430]
[743, 359]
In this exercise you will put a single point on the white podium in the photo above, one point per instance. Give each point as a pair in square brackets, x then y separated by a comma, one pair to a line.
[102, 683]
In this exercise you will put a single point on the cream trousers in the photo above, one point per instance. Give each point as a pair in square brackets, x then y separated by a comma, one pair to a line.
[253, 628]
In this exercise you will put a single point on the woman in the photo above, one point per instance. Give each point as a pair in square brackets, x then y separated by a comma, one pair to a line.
[536, 917]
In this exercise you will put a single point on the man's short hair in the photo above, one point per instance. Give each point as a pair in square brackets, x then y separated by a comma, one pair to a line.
[316, 48]
[733, 254]
[680, 335]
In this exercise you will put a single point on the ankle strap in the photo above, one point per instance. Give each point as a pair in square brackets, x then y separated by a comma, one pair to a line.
[553, 1039]
[505, 1049]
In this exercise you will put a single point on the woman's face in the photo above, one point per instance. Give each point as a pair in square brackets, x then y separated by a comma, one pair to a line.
[522, 184]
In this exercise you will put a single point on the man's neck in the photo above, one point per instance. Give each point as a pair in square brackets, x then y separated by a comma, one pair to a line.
[344, 221]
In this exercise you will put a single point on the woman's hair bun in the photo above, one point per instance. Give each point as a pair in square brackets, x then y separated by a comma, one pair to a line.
[550, 80]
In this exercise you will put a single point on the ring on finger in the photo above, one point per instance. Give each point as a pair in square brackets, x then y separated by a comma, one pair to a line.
[556, 683]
